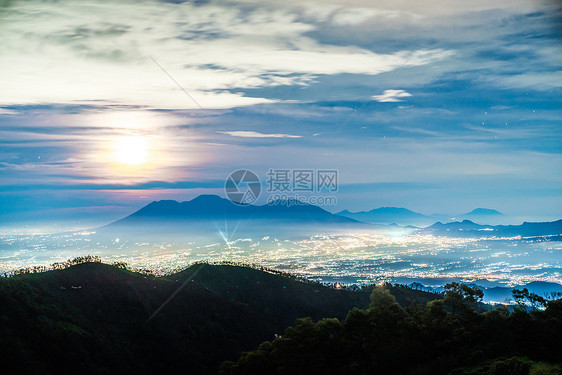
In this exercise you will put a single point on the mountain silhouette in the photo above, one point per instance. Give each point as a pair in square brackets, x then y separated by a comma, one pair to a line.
[203, 217]
[467, 228]
[483, 215]
[390, 215]
[483, 212]
[213, 207]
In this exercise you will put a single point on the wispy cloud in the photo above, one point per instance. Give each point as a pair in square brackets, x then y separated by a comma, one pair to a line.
[544, 81]
[7, 112]
[252, 134]
[391, 96]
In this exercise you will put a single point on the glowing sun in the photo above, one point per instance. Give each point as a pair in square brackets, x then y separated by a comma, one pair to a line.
[131, 150]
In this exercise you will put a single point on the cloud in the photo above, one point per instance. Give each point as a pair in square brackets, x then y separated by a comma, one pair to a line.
[425, 8]
[252, 134]
[359, 15]
[344, 15]
[391, 96]
[99, 53]
[7, 112]
[543, 81]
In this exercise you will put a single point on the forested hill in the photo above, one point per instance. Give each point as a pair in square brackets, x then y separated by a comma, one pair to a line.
[98, 318]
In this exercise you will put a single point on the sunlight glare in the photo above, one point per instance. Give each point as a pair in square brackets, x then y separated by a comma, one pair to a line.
[131, 150]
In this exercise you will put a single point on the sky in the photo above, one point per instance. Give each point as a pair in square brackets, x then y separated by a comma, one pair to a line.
[437, 106]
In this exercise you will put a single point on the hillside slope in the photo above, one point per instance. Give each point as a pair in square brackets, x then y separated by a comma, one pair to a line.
[95, 318]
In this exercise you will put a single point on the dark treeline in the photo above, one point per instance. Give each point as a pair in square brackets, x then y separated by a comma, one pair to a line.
[147, 271]
[524, 294]
[151, 272]
[57, 266]
[444, 336]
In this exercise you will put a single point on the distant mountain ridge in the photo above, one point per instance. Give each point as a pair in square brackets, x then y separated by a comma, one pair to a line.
[390, 215]
[467, 228]
[214, 208]
[404, 216]
[494, 293]
[483, 215]
[483, 211]
[207, 213]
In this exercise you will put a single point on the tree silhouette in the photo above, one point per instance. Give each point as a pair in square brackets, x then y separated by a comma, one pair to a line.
[535, 301]
[461, 298]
